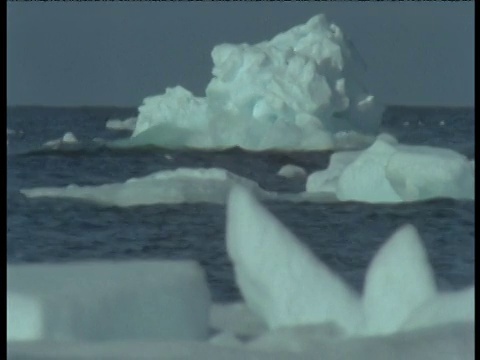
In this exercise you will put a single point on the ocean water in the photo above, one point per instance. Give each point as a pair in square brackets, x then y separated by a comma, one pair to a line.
[344, 235]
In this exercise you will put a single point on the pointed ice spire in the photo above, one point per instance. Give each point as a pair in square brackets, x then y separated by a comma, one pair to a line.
[280, 279]
[398, 280]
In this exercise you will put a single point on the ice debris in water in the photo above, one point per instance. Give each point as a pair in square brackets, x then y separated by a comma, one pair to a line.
[182, 185]
[67, 139]
[117, 124]
[391, 172]
[292, 171]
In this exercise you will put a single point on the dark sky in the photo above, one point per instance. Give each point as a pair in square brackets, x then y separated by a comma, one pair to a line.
[117, 53]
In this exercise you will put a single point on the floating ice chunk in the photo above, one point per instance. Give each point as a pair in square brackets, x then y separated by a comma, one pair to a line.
[291, 171]
[67, 139]
[259, 92]
[399, 280]
[391, 172]
[422, 172]
[326, 180]
[116, 124]
[93, 301]
[236, 318]
[281, 280]
[364, 179]
[183, 185]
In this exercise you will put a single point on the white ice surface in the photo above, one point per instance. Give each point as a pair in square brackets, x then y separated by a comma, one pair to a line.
[106, 301]
[399, 280]
[117, 124]
[291, 171]
[183, 185]
[388, 172]
[296, 91]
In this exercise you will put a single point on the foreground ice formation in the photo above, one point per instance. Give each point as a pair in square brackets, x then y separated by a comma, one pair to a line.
[183, 185]
[296, 91]
[296, 307]
[391, 172]
[105, 301]
[286, 285]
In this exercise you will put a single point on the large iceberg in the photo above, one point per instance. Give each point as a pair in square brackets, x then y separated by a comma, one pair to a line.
[296, 91]
[390, 172]
[182, 185]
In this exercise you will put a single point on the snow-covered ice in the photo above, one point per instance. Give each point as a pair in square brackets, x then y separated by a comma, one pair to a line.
[391, 172]
[182, 185]
[296, 91]
[106, 301]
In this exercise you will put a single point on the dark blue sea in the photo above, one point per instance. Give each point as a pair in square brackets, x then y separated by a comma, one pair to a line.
[344, 235]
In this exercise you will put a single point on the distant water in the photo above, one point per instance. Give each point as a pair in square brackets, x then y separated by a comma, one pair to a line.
[344, 235]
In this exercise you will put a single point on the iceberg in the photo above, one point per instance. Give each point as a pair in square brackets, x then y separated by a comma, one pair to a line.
[294, 92]
[107, 301]
[389, 172]
[287, 286]
[183, 185]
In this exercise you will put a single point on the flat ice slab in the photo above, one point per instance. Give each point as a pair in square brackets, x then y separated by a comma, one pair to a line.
[388, 172]
[182, 185]
[94, 301]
